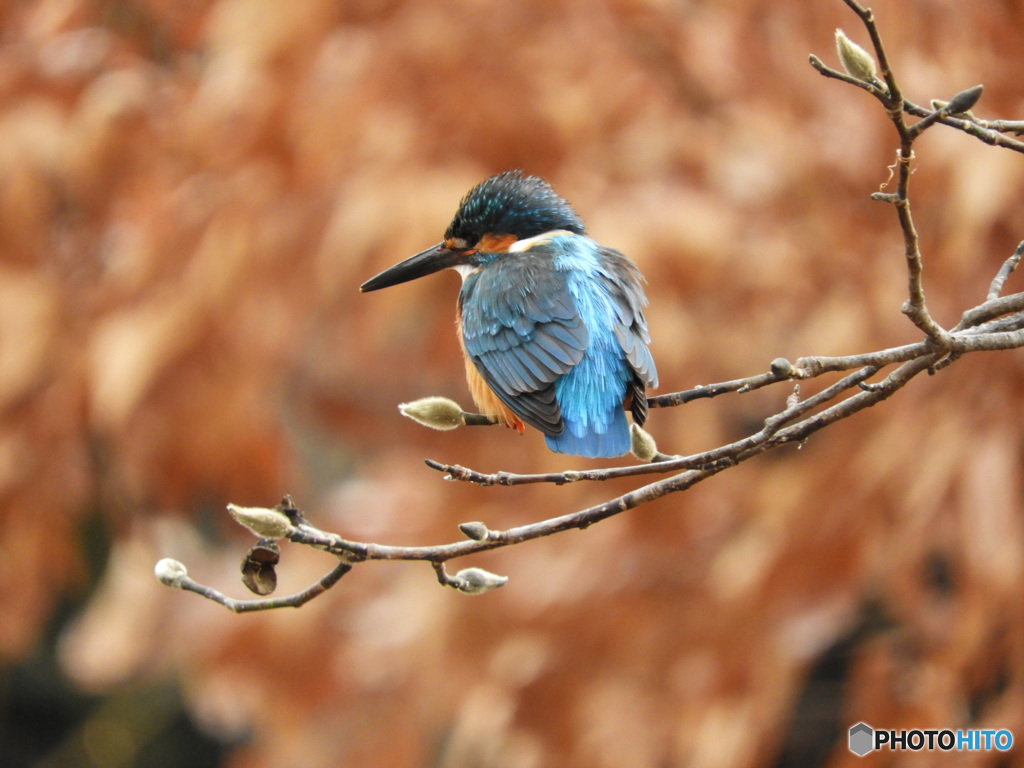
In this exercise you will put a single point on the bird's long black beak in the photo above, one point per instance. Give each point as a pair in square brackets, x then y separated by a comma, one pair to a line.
[427, 262]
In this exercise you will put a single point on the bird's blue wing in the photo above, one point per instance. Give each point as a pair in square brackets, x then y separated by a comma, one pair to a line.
[624, 284]
[521, 329]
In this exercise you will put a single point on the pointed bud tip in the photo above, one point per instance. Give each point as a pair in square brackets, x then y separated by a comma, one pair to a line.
[857, 62]
[474, 530]
[964, 100]
[263, 522]
[434, 412]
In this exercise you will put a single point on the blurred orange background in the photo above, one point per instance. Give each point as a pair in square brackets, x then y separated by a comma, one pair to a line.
[191, 192]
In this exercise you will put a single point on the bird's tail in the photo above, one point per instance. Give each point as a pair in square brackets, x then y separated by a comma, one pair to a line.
[585, 441]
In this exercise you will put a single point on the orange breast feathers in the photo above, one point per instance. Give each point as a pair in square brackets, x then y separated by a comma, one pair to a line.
[488, 402]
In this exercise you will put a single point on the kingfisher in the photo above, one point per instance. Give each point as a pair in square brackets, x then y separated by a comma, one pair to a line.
[551, 323]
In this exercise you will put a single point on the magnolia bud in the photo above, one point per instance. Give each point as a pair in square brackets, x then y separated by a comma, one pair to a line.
[265, 523]
[476, 581]
[857, 62]
[475, 531]
[434, 412]
[964, 100]
[781, 368]
[170, 572]
[643, 445]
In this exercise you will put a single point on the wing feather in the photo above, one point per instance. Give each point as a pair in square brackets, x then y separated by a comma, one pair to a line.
[522, 331]
[624, 283]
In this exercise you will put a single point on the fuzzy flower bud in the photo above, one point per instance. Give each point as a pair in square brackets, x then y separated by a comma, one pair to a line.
[434, 412]
[643, 445]
[857, 62]
[476, 581]
[265, 523]
[170, 572]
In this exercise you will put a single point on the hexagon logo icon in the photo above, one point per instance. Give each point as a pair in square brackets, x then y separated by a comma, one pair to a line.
[862, 738]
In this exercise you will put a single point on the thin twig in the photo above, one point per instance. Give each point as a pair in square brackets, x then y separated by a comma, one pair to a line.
[835, 74]
[1007, 269]
[893, 99]
[748, 384]
[1003, 126]
[991, 309]
[809, 367]
[916, 308]
[980, 130]
[247, 606]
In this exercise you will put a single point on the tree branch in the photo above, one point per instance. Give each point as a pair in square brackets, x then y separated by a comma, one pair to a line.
[186, 583]
[995, 324]
[1004, 273]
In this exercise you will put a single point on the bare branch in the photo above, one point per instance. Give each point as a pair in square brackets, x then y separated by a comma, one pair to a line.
[1007, 269]
[247, 606]
[794, 424]
[894, 98]
[827, 71]
[991, 309]
[979, 129]
[995, 324]
[1002, 126]
[781, 371]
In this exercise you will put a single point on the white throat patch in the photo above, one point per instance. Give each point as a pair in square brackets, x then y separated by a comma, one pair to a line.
[465, 270]
[542, 239]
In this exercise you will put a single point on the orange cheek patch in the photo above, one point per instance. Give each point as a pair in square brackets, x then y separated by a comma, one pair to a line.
[495, 243]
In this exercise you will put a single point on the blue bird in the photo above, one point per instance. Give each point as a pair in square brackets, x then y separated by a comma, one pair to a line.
[551, 323]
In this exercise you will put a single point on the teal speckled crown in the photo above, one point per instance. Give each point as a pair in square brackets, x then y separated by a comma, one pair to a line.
[512, 204]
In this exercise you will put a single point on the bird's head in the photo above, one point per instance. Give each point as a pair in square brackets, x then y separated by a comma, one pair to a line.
[492, 216]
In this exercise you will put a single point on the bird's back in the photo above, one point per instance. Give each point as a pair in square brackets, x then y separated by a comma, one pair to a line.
[556, 328]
